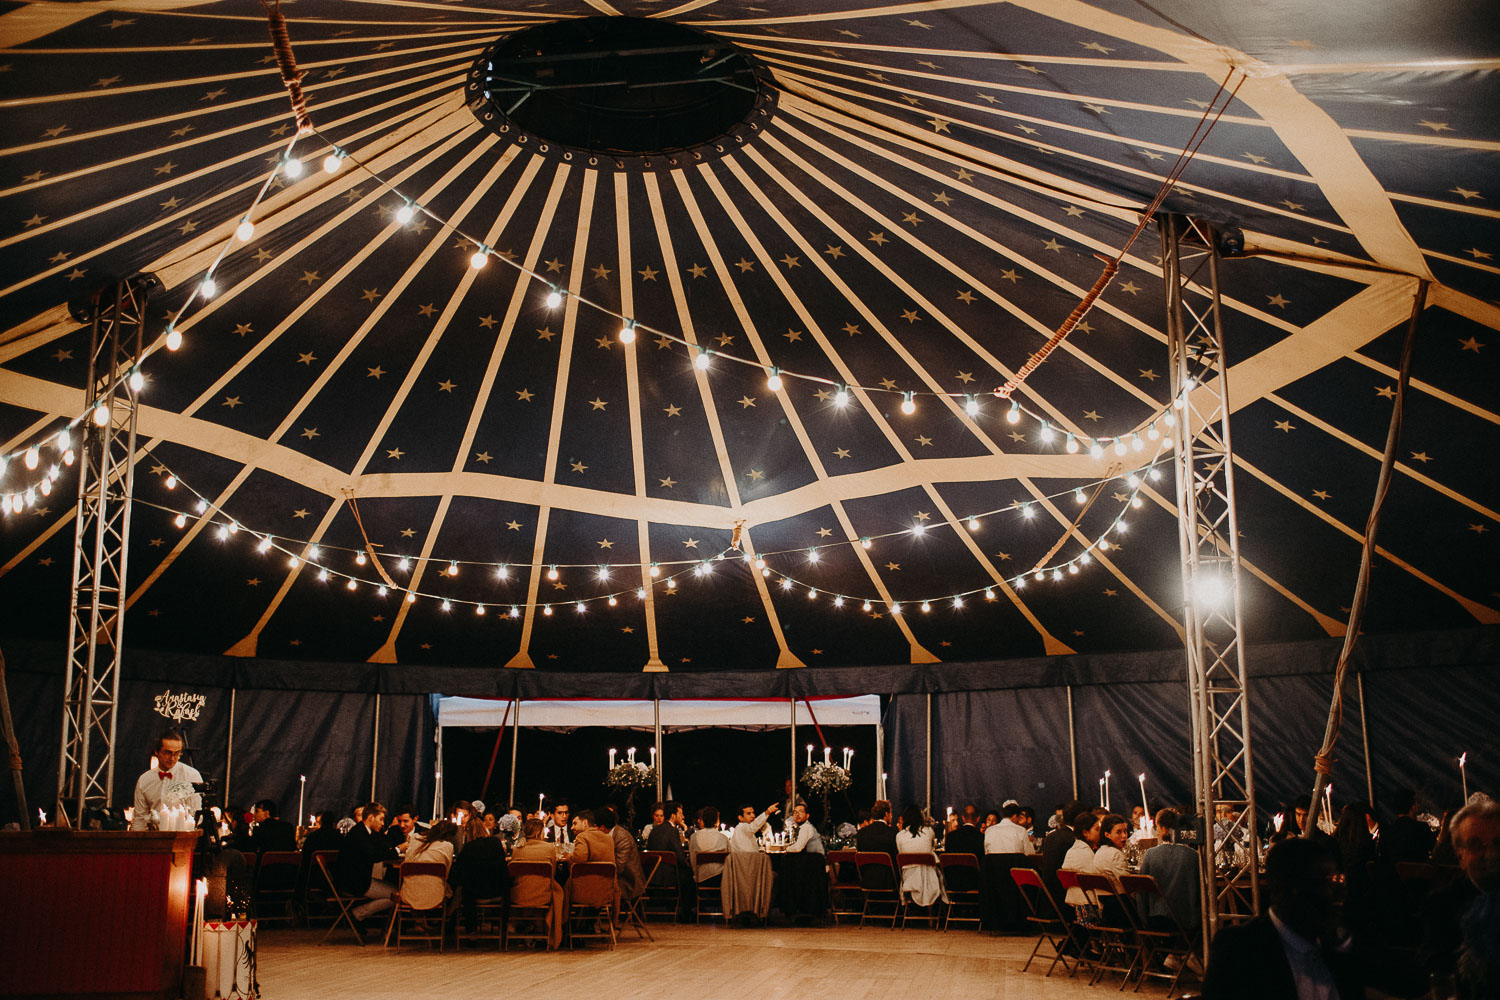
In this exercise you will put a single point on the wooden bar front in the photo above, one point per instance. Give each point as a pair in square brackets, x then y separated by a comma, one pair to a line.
[90, 913]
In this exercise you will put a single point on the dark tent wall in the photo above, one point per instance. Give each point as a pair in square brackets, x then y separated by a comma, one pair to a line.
[999, 729]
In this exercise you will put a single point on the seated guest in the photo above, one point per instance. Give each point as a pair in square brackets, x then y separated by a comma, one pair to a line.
[1109, 859]
[791, 800]
[1055, 847]
[1355, 838]
[1080, 856]
[743, 837]
[919, 883]
[658, 818]
[1137, 813]
[861, 819]
[805, 836]
[1461, 921]
[270, 832]
[589, 842]
[879, 836]
[1008, 836]
[435, 844]
[969, 813]
[628, 870]
[708, 838]
[558, 830]
[1405, 838]
[479, 871]
[1175, 868]
[403, 822]
[966, 839]
[536, 890]
[324, 835]
[664, 837]
[363, 848]
[677, 816]
[990, 819]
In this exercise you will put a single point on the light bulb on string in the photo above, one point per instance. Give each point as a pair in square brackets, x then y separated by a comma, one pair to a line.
[381, 591]
[655, 570]
[971, 406]
[958, 602]
[554, 297]
[68, 459]
[481, 257]
[46, 487]
[841, 397]
[333, 161]
[1104, 545]
[245, 232]
[700, 360]
[223, 532]
[453, 568]
[908, 404]
[867, 606]
[64, 442]
[1155, 475]
[786, 583]
[1056, 576]
[264, 545]
[552, 572]
[411, 598]
[1073, 568]
[671, 584]
[627, 333]
[895, 609]
[838, 602]
[447, 605]
[171, 483]
[773, 381]
[812, 593]
[1135, 502]
[405, 213]
[989, 594]
[404, 564]
[1169, 419]
[352, 584]
[760, 562]
[1136, 444]
[315, 553]
[612, 602]
[1151, 432]
[1119, 446]
[765, 572]
[1020, 583]
[1121, 526]
[640, 593]
[292, 166]
[502, 571]
[973, 524]
[579, 607]
[33, 456]
[1027, 512]
[1046, 433]
[1013, 415]
[864, 543]
[926, 607]
[322, 574]
[1040, 576]
[918, 528]
[603, 572]
[1096, 450]
[137, 381]
[174, 338]
[1072, 446]
[515, 612]
[291, 561]
[1078, 495]
[812, 555]
[1085, 558]
[203, 505]
[101, 415]
[547, 610]
[1133, 481]
[359, 559]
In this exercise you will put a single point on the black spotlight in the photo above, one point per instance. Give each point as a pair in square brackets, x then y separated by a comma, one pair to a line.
[1231, 242]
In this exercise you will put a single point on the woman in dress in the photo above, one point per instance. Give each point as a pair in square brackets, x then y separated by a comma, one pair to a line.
[919, 883]
[1080, 857]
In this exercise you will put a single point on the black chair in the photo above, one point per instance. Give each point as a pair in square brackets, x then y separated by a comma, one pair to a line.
[710, 899]
[962, 880]
[846, 897]
[275, 885]
[881, 887]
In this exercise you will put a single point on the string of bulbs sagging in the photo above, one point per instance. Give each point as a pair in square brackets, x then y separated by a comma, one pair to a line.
[667, 573]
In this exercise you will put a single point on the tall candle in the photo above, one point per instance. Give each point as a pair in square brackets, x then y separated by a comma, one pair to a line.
[849, 762]
[809, 755]
[301, 794]
[653, 756]
[1106, 789]
[1142, 778]
[827, 752]
[611, 758]
[1463, 773]
[631, 751]
[1101, 793]
[539, 799]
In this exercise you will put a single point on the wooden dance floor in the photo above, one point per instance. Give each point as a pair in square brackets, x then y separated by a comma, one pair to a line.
[770, 963]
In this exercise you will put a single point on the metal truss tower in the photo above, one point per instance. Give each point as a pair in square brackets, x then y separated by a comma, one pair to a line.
[101, 545]
[1208, 539]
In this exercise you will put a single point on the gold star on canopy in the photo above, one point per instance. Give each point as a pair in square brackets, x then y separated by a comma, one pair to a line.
[823, 395]
[1385, 392]
[427, 310]
[1420, 456]
[911, 218]
[916, 23]
[910, 315]
[965, 377]
[923, 440]
[939, 125]
[165, 168]
[1120, 497]
[887, 383]
[601, 272]
[605, 343]
[513, 525]
[1097, 47]
[191, 227]
[648, 273]
[1465, 193]
[1472, 344]
[879, 239]
[748, 619]
[725, 339]
[59, 257]
[262, 255]
[1479, 254]
[1002, 556]
[300, 513]
[669, 482]
[1027, 129]
[672, 410]
[1016, 436]
[793, 336]
[835, 252]
[524, 395]
[157, 543]
[546, 333]
[841, 452]
[254, 581]
[61, 354]
[214, 95]
[309, 432]
[1285, 425]
[1292, 205]
[745, 265]
[1321, 494]
[1073, 211]
[555, 266]
[1010, 276]
[308, 277]
[791, 261]
[964, 175]
[663, 342]
[306, 359]
[1149, 374]
[598, 403]
[1277, 300]
[1090, 415]
[53, 133]
[487, 322]
[966, 296]
[691, 543]
[1130, 287]
[394, 453]
[1478, 529]
[824, 532]
[942, 198]
[697, 270]
[1053, 245]
[1253, 158]
[1436, 126]
[893, 566]
[924, 515]
[483, 457]
[605, 543]
[578, 466]
[446, 386]
[756, 475]
[231, 401]
[746, 401]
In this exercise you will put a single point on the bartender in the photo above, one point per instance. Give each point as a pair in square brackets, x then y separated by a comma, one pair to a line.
[168, 768]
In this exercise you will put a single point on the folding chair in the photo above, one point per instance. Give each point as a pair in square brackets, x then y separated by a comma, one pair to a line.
[423, 890]
[1051, 926]
[591, 902]
[346, 915]
[880, 886]
[1082, 934]
[527, 908]
[844, 886]
[920, 860]
[1113, 939]
[631, 914]
[275, 885]
[489, 913]
[1175, 941]
[710, 899]
[962, 880]
[657, 890]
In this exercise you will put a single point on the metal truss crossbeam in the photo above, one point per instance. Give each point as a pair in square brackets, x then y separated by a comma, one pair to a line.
[1208, 539]
[101, 543]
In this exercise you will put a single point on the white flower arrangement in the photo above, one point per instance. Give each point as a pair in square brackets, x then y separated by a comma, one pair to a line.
[825, 779]
[178, 793]
[630, 776]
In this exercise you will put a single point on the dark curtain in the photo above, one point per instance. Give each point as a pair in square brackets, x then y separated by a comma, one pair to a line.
[326, 735]
[408, 755]
[1128, 729]
[989, 746]
[1422, 720]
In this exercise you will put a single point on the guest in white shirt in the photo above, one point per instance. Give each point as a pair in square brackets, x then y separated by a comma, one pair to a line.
[707, 839]
[1109, 860]
[1008, 836]
[920, 883]
[807, 837]
[1080, 857]
[558, 829]
[743, 837]
[169, 769]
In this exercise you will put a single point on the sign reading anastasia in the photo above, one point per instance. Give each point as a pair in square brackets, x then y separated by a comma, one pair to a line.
[179, 706]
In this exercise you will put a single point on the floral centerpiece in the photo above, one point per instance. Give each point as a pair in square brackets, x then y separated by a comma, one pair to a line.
[823, 780]
[630, 777]
[179, 807]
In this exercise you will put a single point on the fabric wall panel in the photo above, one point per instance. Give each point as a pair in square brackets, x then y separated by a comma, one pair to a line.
[1421, 720]
[906, 749]
[1132, 728]
[989, 746]
[36, 709]
[147, 708]
[1287, 719]
[408, 755]
[327, 735]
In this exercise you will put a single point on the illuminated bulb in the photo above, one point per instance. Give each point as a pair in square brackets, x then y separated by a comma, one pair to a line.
[812, 593]
[64, 442]
[101, 415]
[1020, 583]
[502, 571]
[404, 564]
[554, 298]
[1104, 545]
[481, 257]
[1135, 502]
[174, 338]
[1072, 445]
[656, 570]
[292, 167]
[640, 593]
[765, 572]
[1133, 481]
[1056, 575]
[30, 498]
[381, 590]
[223, 531]
[958, 602]
[547, 610]
[971, 406]
[671, 584]
[864, 543]
[708, 568]
[322, 574]
[1096, 450]
[895, 609]
[1073, 568]
[453, 568]
[926, 606]
[760, 563]
[579, 606]
[332, 162]
[245, 232]
[908, 405]
[137, 381]
[838, 602]
[314, 553]
[479, 609]
[604, 572]
[841, 398]
[1046, 433]
[46, 487]
[773, 381]
[989, 594]
[447, 606]
[352, 584]
[264, 545]
[405, 213]
[1027, 512]
[68, 459]
[627, 333]
[918, 528]
[515, 612]
[359, 560]
[411, 598]
[203, 505]
[1155, 475]
[1040, 576]
[1169, 419]
[1078, 495]
[1119, 446]
[867, 606]
[612, 601]
[812, 555]
[291, 561]
[1121, 527]
[1151, 432]
[33, 456]
[786, 584]
[1013, 416]
[552, 573]
[973, 524]
[1136, 443]
[1187, 383]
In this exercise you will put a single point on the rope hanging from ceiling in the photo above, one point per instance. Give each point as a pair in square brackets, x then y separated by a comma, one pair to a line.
[1205, 125]
[291, 76]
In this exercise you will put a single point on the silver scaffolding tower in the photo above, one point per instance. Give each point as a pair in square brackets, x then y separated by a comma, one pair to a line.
[1208, 539]
[101, 544]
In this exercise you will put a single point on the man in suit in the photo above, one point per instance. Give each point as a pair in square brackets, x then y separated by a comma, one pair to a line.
[271, 833]
[879, 836]
[363, 848]
[402, 822]
[1296, 949]
[629, 873]
[966, 839]
[665, 837]
[1461, 920]
[589, 842]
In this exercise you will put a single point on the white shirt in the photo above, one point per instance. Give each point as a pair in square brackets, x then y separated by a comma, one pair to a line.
[1310, 973]
[743, 837]
[148, 793]
[808, 840]
[706, 841]
[1080, 858]
[1007, 837]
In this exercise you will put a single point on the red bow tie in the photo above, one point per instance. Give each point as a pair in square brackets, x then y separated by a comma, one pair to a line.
[165, 775]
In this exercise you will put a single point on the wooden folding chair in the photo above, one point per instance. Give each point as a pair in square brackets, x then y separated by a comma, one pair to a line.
[961, 879]
[1050, 924]
[1154, 944]
[844, 888]
[527, 910]
[631, 913]
[710, 899]
[880, 886]
[415, 912]
[346, 915]
[275, 885]
[1113, 939]
[489, 913]
[591, 902]
[1082, 934]
[920, 860]
[657, 891]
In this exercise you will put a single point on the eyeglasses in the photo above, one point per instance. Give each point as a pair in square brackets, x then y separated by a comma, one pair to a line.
[169, 753]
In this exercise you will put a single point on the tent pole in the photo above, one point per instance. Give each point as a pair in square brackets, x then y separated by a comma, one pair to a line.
[229, 749]
[437, 782]
[1364, 735]
[375, 749]
[1072, 743]
[879, 757]
[656, 710]
[515, 739]
[929, 753]
[793, 772]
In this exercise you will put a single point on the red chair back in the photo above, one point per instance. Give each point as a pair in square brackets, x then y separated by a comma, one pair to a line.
[959, 861]
[925, 859]
[1140, 885]
[1026, 876]
[543, 868]
[592, 883]
[1067, 878]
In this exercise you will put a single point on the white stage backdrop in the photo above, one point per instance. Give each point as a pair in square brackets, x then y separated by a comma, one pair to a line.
[481, 713]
